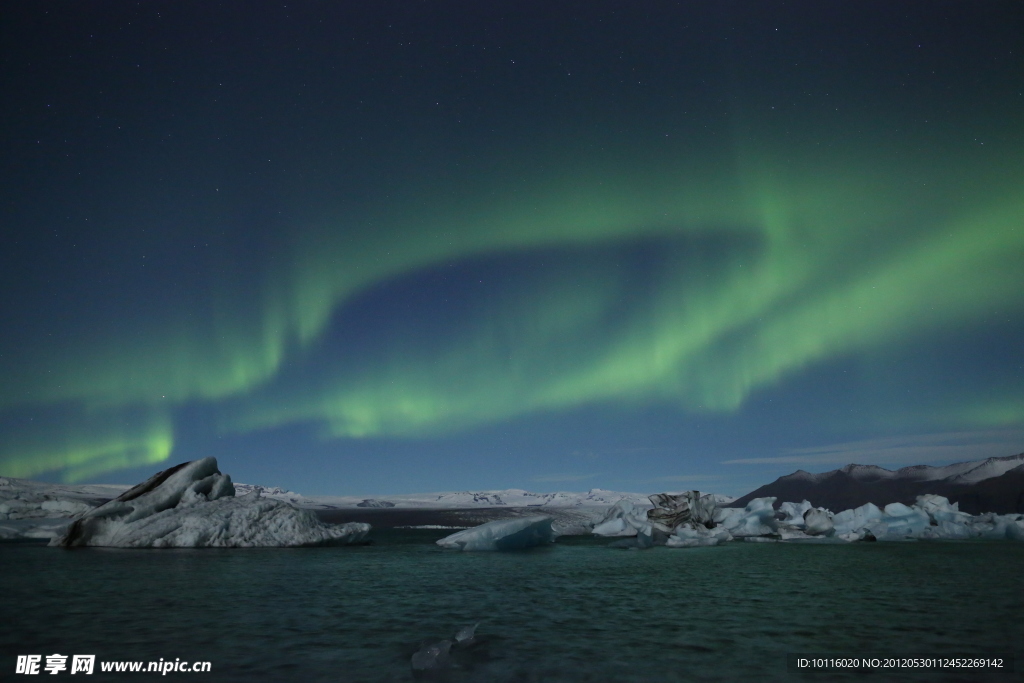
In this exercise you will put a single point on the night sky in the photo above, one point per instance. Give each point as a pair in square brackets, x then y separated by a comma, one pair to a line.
[370, 248]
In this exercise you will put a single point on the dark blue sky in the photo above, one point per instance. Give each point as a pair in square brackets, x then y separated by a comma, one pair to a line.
[364, 248]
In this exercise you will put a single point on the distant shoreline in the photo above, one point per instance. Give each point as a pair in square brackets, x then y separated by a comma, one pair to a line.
[389, 518]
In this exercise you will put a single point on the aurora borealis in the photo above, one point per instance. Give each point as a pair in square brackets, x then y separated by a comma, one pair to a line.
[424, 246]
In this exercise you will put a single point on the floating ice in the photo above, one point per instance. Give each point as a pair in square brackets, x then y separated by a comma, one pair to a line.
[757, 519]
[901, 521]
[850, 521]
[623, 519]
[432, 657]
[818, 522]
[672, 510]
[193, 505]
[931, 517]
[686, 536]
[503, 534]
[466, 635]
[794, 513]
[670, 513]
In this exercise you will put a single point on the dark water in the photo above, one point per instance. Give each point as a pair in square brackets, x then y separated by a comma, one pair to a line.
[576, 611]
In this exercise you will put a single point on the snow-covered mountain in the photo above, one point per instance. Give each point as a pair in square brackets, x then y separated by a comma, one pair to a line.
[991, 485]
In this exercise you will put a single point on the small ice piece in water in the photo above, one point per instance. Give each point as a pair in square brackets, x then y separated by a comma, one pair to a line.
[503, 534]
[466, 635]
[432, 657]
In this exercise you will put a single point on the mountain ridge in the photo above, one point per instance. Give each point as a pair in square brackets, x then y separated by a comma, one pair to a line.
[990, 485]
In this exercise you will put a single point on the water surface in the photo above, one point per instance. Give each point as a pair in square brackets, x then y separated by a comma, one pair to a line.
[576, 611]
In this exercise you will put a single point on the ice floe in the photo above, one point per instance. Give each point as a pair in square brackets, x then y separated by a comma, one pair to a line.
[623, 519]
[692, 520]
[686, 536]
[503, 534]
[193, 505]
[756, 519]
[818, 522]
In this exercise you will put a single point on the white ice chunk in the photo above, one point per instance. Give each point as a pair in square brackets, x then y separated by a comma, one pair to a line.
[932, 503]
[466, 635]
[997, 527]
[728, 517]
[941, 510]
[623, 519]
[614, 527]
[946, 530]
[794, 513]
[686, 536]
[900, 521]
[757, 519]
[818, 522]
[503, 534]
[856, 520]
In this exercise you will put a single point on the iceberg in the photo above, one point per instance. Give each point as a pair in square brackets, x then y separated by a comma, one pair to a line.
[858, 519]
[503, 534]
[193, 505]
[756, 519]
[691, 507]
[901, 521]
[623, 519]
[694, 520]
[932, 517]
[818, 522]
[685, 536]
[794, 513]
[670, 512]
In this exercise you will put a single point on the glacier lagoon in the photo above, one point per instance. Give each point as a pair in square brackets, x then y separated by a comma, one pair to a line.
[571, 611]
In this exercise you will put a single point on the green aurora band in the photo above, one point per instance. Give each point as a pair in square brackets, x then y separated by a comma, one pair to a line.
[825, 257]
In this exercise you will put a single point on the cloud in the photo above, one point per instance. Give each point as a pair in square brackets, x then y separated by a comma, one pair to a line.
[912, 449]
